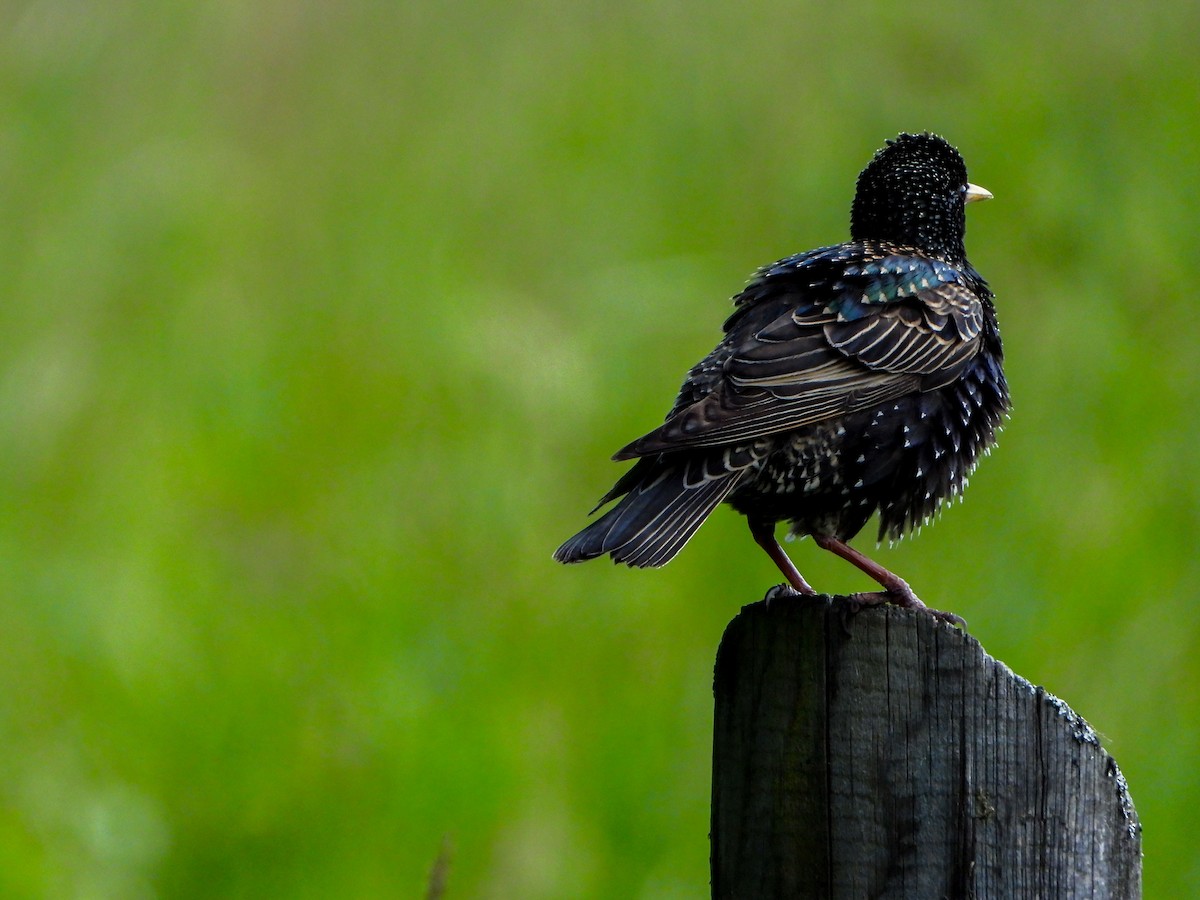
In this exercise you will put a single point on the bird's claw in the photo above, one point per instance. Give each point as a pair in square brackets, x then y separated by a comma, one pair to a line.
[906, 599]
[948, 617]
[780, 592]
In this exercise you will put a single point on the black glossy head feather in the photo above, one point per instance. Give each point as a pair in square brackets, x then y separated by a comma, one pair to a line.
[913, 192]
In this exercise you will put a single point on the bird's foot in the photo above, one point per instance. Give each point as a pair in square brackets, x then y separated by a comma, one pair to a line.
[782, 592]
[902, 595]
[895, 589]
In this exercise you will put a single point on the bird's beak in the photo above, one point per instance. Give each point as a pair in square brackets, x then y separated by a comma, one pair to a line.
[975, 192]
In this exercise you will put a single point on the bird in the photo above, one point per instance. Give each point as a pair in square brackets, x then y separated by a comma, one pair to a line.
[856, 379]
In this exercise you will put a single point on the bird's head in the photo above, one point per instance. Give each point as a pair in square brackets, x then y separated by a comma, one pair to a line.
[914, 191]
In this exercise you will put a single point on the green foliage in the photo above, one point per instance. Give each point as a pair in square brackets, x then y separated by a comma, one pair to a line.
[320, 321]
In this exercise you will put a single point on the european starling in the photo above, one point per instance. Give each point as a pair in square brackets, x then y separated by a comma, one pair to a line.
[859, 378]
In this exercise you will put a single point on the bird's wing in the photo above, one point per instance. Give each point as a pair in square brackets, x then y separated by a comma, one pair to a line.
[879, 330]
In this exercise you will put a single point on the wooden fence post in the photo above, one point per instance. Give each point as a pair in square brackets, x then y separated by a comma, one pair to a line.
[883, 754]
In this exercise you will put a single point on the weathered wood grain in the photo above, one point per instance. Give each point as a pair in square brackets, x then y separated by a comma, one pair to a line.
[883, 753]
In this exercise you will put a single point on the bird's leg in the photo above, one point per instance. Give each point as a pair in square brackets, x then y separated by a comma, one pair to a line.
[902, 594]
[764, 535]
[896, 589]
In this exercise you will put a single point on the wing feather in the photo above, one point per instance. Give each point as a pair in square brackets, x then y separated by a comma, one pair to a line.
[862, 336]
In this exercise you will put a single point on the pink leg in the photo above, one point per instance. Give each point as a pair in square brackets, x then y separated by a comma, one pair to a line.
[764, 535]
[896, 589]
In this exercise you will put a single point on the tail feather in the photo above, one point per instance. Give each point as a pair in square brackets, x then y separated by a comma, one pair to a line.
[659, 514]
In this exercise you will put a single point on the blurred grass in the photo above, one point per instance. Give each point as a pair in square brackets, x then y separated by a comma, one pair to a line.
[320, 322]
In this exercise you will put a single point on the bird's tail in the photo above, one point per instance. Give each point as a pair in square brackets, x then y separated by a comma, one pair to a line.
[666, 501]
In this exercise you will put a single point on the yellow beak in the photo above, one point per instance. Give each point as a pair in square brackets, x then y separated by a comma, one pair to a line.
[975, 192]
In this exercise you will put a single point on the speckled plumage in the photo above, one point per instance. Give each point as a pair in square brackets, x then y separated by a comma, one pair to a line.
[855, 379]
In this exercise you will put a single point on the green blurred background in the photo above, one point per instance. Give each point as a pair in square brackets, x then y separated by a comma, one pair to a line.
[319, 323]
